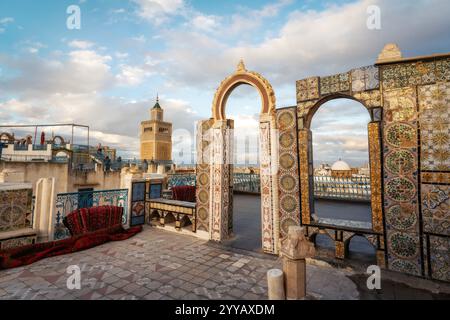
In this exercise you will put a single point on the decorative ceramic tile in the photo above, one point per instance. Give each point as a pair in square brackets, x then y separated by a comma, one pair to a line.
[304, 138]
[303, 108]
[400, 175]
[288, 173]
[400, 105]
[440, 258]
[308, 89]
[375, 176]
[436, 209]
[336, 83]
[15, 209]
[442, 70]
[203, 175]
[371, 99]
[366, 78]
[409, 74]
[435, 177]
[434, 104]
[270, 218]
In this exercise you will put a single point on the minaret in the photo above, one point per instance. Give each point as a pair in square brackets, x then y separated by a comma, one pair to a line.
[156, 136]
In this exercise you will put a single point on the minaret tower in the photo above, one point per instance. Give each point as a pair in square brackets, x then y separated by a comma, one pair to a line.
[156, 136]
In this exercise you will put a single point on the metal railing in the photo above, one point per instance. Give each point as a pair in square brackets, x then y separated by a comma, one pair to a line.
[354, 188]
[247, 182]
[176, 180]
[68, 202]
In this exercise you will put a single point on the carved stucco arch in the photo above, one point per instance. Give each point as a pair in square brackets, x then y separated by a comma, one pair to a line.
[243, 76]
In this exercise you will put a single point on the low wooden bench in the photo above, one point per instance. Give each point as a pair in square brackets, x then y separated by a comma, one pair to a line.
[169, 211]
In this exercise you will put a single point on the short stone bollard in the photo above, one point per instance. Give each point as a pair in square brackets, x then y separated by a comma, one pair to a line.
[294, 250]
[275, 281]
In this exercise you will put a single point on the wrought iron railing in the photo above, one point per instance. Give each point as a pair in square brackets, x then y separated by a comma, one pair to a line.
[68, 202]
[247, 182]
[354, 188]
[176, 180]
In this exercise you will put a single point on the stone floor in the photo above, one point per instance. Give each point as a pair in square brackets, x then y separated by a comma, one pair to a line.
[158, 264]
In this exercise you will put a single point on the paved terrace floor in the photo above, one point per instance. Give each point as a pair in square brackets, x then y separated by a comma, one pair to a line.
[158, 264]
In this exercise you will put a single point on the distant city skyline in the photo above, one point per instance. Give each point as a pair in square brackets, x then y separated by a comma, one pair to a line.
[108, 73]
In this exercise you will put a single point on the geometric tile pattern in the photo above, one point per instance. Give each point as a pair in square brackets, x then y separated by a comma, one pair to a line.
[15, 209]
[440, 258]
[221, 187]
[269, 184]
[366, 78]
[308, 89]
[413, 74]
[375, 176]
[434, 106]
[400, 180]
[203, 175]
[336, 83]
[436, 208]
[288, 174]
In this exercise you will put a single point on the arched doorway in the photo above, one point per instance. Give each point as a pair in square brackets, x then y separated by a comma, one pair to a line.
[243, 107]
[341, 165]
[215, 163]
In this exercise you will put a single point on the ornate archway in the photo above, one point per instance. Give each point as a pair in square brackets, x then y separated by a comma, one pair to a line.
[215, 163]
[243, 76]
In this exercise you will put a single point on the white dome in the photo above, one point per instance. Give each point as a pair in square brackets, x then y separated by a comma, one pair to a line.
[340, 166]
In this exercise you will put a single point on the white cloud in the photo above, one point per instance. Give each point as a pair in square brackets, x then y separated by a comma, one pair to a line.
[157, 11]
[205, 22]
[131, 75]
[80, 44]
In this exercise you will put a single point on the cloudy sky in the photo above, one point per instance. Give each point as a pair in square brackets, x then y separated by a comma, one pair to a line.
[106, 74]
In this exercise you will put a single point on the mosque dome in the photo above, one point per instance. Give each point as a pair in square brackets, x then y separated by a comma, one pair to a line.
[340, 166]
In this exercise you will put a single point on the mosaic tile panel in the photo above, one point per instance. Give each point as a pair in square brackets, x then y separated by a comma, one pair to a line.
[365, 78]
[436, 209]
[308, 89]
[434, 106]
[400, 180]
[412, 74]
[336, 83]
[440, 258]
[442, 69]
[17, 242]
[203, 175]
[371, 99]
[304, 138]
[303, 108]
[221, 187]
[288, 174]
[15, 209]
[375, 176]
[435, 177]
[270, 221]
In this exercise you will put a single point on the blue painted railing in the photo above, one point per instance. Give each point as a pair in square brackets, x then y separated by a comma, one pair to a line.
[68, 202]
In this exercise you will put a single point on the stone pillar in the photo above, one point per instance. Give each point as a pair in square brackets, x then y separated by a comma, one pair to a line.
[44, 209]
[295, 248]
[275, 282]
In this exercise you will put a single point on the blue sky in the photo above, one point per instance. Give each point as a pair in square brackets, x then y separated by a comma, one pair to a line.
[106, 75]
